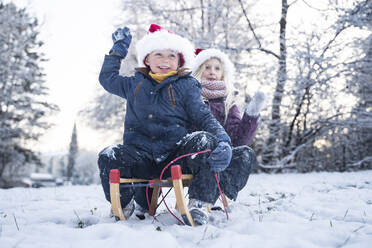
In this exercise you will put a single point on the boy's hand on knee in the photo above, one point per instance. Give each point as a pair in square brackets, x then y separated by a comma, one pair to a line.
[122, 39]
[220, 157]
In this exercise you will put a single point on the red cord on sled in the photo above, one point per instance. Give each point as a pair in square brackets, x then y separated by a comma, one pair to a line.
[160, 178]
[223, 198]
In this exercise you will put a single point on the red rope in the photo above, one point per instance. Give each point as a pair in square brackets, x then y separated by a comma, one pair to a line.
[160, 178]
[223, 198]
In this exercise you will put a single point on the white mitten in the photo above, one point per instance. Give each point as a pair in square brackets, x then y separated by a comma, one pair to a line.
[254, 107]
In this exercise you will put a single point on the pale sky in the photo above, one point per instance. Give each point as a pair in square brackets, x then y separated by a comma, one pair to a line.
[77, 35]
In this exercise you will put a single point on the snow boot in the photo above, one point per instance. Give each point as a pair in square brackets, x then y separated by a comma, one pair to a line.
[198, 211]
[127, 210]
[140, 212]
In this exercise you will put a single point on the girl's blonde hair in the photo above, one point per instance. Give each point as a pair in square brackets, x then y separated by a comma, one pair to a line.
[229, 101]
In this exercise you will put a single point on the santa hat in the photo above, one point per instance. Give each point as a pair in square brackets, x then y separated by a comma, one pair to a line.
[203, 55]
[160, 39]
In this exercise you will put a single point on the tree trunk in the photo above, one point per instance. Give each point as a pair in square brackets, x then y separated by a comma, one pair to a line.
[271, 152]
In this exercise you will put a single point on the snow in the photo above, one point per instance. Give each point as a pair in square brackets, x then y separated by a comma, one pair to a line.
[109, 151]
[283, 210]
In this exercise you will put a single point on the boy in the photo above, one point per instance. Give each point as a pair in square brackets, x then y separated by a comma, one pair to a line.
[163, 104]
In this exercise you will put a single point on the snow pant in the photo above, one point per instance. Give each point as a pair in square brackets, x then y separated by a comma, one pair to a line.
[136, 163]
[235, 176]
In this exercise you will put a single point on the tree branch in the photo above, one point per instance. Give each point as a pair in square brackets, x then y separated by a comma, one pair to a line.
[283, 162]
[366, 159]
[254, 34]
[312, 6]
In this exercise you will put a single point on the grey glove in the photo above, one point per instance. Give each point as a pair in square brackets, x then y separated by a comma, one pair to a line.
[254, 107]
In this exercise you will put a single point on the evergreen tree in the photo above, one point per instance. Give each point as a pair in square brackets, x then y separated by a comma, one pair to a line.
[23, 107]
[72, 154]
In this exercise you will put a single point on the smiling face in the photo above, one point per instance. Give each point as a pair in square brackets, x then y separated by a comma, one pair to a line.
[212, 70]
[162, 61]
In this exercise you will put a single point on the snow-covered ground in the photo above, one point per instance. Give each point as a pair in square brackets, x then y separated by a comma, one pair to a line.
[289, 210]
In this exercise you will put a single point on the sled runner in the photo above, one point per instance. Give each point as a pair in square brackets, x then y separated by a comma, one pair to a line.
[177, 181]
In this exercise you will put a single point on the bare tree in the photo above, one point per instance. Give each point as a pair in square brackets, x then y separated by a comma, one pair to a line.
[330, 133]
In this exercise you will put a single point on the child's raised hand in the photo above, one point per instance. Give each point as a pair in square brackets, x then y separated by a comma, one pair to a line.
[122, 34]
[122, 39]
[255, 106]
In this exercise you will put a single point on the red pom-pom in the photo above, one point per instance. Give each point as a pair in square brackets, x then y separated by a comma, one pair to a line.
[198, 50]
[153, 28]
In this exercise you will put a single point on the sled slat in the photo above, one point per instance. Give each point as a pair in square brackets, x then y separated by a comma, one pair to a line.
[180, 198]
[115, 201]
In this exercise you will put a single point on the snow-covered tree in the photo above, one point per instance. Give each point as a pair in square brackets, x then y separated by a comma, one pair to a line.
[355, 143]
[362, 112]
[23, 105]
[72, 154]
[322, 123]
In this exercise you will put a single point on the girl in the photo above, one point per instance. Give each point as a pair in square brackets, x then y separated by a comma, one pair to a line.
[214, 71]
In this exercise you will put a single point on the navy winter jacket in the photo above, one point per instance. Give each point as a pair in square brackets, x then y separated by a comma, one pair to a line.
[158, 115]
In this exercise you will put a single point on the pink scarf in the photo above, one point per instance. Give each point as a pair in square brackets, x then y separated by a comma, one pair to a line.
[213, 89]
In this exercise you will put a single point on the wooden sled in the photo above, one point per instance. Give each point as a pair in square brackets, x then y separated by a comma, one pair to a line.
[177, 181]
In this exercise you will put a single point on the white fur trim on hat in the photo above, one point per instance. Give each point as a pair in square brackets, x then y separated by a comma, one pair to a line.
[228, 66]
[164, 40]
